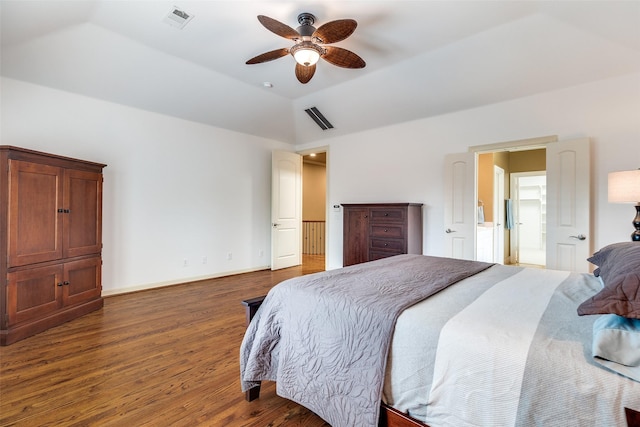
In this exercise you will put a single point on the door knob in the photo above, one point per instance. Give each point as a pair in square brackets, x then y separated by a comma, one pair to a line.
[448, 230]
[579, 237]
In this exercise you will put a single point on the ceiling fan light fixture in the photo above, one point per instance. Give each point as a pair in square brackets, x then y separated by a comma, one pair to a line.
[306, 53]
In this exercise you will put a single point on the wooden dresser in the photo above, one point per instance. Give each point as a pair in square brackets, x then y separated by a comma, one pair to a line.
[50, 241]
[380, 230]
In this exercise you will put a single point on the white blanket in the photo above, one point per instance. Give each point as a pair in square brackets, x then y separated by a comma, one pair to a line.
[505, 348]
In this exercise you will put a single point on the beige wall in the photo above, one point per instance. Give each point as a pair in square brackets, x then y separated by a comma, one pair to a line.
[528, 161]
[485, 185]
[314, 192]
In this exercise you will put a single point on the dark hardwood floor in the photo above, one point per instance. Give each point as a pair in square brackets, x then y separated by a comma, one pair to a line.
[164, 357]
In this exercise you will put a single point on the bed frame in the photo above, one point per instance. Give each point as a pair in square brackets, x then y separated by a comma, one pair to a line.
[389, 417]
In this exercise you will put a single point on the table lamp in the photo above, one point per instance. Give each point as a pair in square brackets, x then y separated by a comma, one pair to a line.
[624, 187]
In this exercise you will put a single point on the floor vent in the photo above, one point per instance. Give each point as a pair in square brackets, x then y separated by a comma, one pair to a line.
[177, 18]
[317, 117]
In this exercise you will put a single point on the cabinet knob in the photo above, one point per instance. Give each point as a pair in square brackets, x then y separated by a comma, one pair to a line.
[385, 230]
[60, 284]
[65, 283]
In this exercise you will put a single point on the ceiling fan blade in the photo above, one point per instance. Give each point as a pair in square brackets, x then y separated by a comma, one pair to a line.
[277, 27]
[305, 72]
[342, 57]
[335, 31]
[269, 56]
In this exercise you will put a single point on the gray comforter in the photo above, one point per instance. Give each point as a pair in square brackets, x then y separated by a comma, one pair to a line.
[324, 337]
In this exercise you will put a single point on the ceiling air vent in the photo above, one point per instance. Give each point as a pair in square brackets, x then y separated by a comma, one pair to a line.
[317, 117]
[177, 18]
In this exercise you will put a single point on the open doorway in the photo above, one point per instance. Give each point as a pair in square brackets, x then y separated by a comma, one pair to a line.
[506, 232]
[528, 238]
[568, 207]
[314, 201]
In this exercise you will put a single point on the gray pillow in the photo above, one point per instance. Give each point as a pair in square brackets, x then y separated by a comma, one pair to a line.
[619, 269]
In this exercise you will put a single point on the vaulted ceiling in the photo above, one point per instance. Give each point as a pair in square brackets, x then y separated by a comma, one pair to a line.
[424, 58]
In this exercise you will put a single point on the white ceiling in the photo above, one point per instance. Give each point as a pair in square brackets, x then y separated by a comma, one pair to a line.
[424, 58]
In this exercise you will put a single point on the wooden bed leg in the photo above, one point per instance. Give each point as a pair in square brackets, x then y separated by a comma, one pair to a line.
[251, 307]
[390, 417]
[252, 394]
[633, 417]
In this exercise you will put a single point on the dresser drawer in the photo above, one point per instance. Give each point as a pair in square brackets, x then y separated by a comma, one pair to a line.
[387, 231]
[388, 215]
[395, 245]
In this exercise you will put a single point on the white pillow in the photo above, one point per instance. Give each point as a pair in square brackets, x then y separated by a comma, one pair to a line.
[616, 344]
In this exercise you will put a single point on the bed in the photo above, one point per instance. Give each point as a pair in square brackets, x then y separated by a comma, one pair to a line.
[444, 342]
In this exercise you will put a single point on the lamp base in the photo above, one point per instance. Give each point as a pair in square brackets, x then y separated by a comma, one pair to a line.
[635, 236]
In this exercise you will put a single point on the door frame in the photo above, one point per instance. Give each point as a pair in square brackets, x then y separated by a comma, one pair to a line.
[498, 214]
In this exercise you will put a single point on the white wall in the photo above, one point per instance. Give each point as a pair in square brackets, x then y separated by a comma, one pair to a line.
[173, 189]
[404, 163]
[176, 189]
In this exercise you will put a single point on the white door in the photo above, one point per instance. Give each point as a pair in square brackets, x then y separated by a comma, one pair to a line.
[460, 210]
[568, 202]
[498, 214]
[286, 209]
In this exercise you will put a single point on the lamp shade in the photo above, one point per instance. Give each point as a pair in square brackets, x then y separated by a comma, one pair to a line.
[624, 187]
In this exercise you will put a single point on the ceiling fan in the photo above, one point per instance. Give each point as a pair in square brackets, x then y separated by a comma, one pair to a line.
[310, 44]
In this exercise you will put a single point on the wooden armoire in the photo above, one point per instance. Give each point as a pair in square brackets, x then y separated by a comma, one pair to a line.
[379, 230]
[50, 241]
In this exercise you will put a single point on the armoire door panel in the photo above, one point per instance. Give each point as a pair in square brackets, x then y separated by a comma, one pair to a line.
[82, 201]
[35, 293]
[82, 280]
[35, 225]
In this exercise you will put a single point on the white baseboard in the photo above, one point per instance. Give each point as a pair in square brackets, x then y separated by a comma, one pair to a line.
[156, 285]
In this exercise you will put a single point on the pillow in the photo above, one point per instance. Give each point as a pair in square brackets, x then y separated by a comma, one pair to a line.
[614, 257]
[616, 344]
[619, 269]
